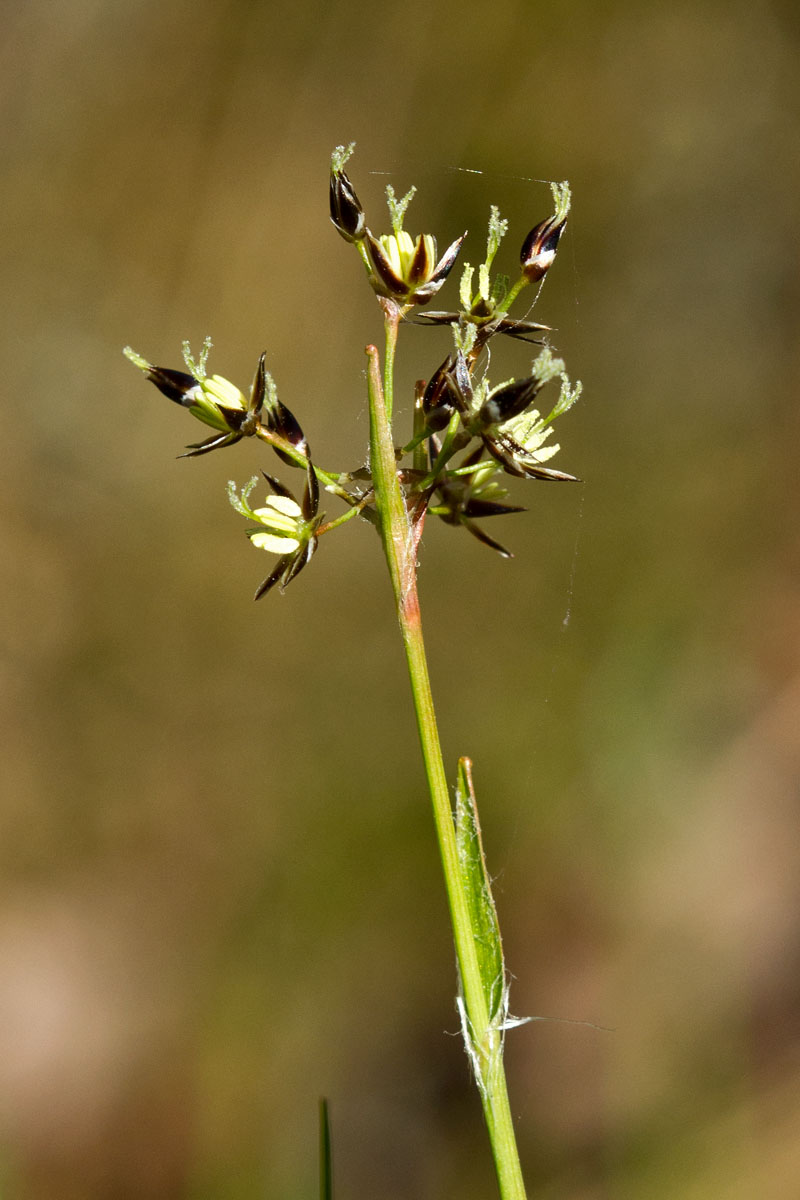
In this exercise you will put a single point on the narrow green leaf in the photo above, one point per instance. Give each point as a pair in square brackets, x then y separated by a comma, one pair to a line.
[476, 886]
[325, 1163]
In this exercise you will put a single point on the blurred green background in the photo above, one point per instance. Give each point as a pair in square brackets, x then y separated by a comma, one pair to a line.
[220, 894]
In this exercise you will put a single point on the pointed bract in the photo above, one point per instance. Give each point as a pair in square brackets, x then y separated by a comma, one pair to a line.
[286, 569]
[508, 401]
[175, 385]
[484, 537]
[278, 488]
[517, 461]
[476, 507]
[311, 495]
[439, 400]
[523, 330]
[216, 442]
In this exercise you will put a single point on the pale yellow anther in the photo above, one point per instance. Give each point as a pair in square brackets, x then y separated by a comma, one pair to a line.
[224, 392]
[283, 517]
[285, 504]
[274, 543]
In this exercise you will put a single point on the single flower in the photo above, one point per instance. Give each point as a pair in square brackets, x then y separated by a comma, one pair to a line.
[462, 499]
[283, 526]
[210, 398]
[217, 402]
[504, 419]
[405, 269]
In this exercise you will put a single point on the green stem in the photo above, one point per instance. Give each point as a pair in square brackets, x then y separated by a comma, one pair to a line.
[355, 511]
[446, 452]
[417, 444]
[400, 547]
[328, 479]
[392, 315]
[420, 435]
[521, 283]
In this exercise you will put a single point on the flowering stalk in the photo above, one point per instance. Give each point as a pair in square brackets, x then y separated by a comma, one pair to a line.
[467, 434]
[400, 533]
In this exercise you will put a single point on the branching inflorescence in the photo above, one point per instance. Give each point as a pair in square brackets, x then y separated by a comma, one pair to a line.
[467, 435]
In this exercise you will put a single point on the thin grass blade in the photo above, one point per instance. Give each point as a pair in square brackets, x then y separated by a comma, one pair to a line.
[325, 1153]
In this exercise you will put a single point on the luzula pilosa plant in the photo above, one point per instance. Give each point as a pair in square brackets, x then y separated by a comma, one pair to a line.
[467, 434]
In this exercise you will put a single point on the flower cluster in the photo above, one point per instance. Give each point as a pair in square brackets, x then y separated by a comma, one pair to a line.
[457, 408]
[467, 433]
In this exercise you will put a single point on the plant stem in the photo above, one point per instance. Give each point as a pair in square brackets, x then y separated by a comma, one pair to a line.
[355, 511]
[392, 316]
[400, 537]
[509, 299]
[328, 479]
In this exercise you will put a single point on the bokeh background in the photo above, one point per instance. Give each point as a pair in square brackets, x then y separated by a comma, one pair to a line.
[220, 891]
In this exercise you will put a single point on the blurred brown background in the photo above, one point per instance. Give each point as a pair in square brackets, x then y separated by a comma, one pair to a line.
[220, 892]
